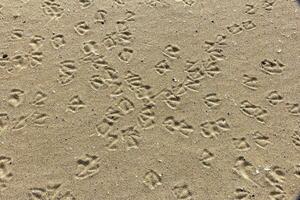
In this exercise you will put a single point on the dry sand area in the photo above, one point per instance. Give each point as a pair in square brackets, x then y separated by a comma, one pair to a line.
[149, 100]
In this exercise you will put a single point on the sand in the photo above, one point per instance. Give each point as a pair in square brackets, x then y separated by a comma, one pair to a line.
[149, 99]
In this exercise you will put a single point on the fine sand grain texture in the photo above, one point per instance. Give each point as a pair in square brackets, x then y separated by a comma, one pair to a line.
[149, 99]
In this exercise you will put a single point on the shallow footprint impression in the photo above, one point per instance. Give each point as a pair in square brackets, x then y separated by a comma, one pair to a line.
[149, 99]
